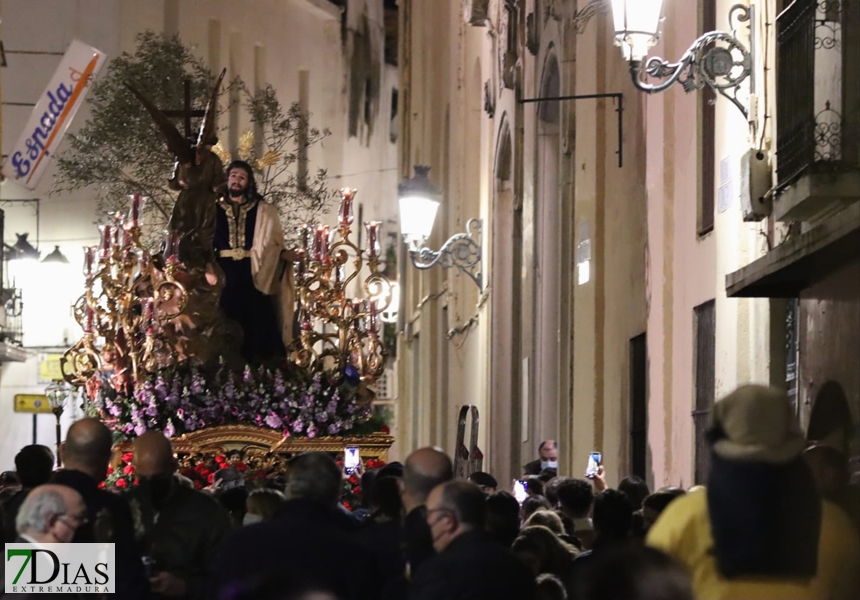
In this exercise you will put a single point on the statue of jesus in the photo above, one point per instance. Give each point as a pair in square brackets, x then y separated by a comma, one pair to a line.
[249, 247]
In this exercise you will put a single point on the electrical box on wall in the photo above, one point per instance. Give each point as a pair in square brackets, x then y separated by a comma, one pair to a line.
[755, 183]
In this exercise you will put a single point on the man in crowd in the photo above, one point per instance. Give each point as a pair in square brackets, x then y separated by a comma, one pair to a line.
[612, 519]
[86, 455]
[181, 529]
[51, 514]
[575, 498]
[468, 564]
[424, 470]
[548, 452]
[760, 528]
[485, 481]
[307, 545]
[33, 467]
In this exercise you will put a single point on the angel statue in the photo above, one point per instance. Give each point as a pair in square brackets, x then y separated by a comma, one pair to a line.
[198, 177]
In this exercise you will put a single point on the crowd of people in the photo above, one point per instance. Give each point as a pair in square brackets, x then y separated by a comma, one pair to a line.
[778, 518]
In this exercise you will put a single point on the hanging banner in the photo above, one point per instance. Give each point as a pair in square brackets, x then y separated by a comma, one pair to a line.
[52, 114]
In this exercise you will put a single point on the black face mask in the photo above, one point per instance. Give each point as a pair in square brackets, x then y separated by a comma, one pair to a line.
[157, 488]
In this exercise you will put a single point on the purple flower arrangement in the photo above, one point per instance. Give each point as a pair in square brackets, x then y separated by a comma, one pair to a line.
[286, 399]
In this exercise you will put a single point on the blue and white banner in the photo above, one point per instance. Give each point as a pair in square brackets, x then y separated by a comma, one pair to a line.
[52, 114]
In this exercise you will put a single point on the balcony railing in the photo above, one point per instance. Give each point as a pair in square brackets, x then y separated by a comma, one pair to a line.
[816, 88]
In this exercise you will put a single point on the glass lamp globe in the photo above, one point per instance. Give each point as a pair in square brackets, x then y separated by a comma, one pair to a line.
[636, 26]
[419, 202]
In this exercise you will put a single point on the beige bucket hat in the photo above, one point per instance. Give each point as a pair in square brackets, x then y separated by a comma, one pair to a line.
[759, 426]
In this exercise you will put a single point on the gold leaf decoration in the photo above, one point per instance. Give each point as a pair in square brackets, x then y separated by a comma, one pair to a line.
[269, 159]
[221, 152]
[246, 146]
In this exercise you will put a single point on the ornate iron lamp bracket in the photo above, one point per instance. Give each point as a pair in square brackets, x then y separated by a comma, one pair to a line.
[462, 250]
[717, 60]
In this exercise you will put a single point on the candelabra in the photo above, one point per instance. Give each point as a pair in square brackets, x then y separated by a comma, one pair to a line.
[126, 299]
[322, 284]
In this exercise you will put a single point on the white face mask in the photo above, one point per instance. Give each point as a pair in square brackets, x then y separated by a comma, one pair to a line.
[251, 518]
[549, 464]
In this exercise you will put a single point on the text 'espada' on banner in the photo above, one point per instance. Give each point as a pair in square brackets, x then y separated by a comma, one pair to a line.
[52, 114]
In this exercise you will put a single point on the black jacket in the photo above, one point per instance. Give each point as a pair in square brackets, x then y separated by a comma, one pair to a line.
[306, 544]
[473, 567]
[417, 539]
[184, 537]
[109, 521]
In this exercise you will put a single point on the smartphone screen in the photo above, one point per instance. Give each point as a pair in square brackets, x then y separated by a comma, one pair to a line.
[520, 492]
[594, 460]
[351, 459]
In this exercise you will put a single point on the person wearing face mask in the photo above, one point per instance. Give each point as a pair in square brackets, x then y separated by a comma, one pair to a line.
[468, 563]
[180, 529]
[548, 452]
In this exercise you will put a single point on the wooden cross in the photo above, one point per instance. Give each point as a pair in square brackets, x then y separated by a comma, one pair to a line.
[187, 112]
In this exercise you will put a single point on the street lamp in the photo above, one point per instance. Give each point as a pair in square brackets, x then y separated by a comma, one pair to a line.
[57, 394]
[716, 59]
[419, 202]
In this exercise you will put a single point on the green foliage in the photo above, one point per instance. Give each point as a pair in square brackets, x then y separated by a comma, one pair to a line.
[119, 151]
[300, 198]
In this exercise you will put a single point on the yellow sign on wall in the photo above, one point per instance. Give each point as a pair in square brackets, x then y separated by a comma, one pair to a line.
[32, 403]
[49, 368]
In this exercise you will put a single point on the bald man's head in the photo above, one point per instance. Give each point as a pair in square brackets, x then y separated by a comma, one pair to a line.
[88, 447]
[153, 455]
[425, 469]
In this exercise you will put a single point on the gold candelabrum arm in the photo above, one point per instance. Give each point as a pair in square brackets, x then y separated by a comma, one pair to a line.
[126, 302]
[323, 291]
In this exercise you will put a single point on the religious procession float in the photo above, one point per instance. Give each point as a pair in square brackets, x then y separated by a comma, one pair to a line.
[180, 340]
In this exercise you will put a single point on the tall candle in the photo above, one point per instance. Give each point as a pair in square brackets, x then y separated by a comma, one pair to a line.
[325, 243]
[89, 261]
[149, 315]
[373, 247]
[106, 240]
[306, 235]
[134, 212]
[300, 266]
[319, 235]
[117, 230]
[372, 320]
[88, 320]
[345, 217]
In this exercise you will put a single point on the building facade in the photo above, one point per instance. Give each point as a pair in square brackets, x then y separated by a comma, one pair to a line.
[605, 320]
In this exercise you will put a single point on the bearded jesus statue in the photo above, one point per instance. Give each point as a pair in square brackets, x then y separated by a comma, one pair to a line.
[249, 247]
